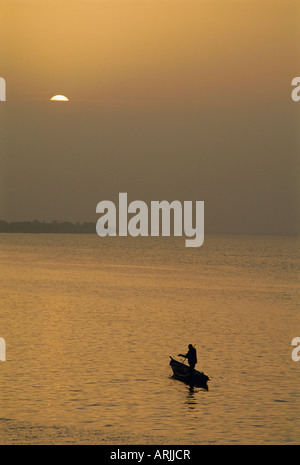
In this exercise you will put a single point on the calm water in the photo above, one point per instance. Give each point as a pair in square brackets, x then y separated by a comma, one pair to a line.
[90, 323]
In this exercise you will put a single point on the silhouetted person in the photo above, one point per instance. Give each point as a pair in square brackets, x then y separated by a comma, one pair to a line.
[191, 356]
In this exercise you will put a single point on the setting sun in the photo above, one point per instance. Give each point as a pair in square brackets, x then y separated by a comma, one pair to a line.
[60, 98]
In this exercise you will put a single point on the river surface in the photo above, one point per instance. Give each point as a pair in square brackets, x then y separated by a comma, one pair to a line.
[90, 323]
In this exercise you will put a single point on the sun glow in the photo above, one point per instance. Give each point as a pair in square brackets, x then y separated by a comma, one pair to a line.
[59, 98]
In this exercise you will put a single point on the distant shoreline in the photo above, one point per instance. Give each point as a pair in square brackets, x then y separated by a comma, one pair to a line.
[55, 227]
[67, 227]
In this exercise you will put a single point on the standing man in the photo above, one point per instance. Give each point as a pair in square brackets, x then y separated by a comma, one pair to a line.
[191, 356]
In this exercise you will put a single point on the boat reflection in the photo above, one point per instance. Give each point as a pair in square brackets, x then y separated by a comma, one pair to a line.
[191, 398]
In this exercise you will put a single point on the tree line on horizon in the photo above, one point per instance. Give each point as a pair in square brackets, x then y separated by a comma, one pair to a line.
[36, 226]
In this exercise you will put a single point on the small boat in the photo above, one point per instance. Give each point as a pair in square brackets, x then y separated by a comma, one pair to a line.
[182, 372]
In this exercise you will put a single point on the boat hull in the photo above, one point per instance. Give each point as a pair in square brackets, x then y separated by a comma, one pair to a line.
[182, 372]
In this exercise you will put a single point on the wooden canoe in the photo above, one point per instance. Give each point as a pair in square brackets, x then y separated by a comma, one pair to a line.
[182, 372]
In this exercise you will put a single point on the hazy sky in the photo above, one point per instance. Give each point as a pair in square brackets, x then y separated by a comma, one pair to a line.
[169, 99]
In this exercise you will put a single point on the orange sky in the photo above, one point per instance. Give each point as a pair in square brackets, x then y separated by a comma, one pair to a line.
[169, 99]
[149, 50]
